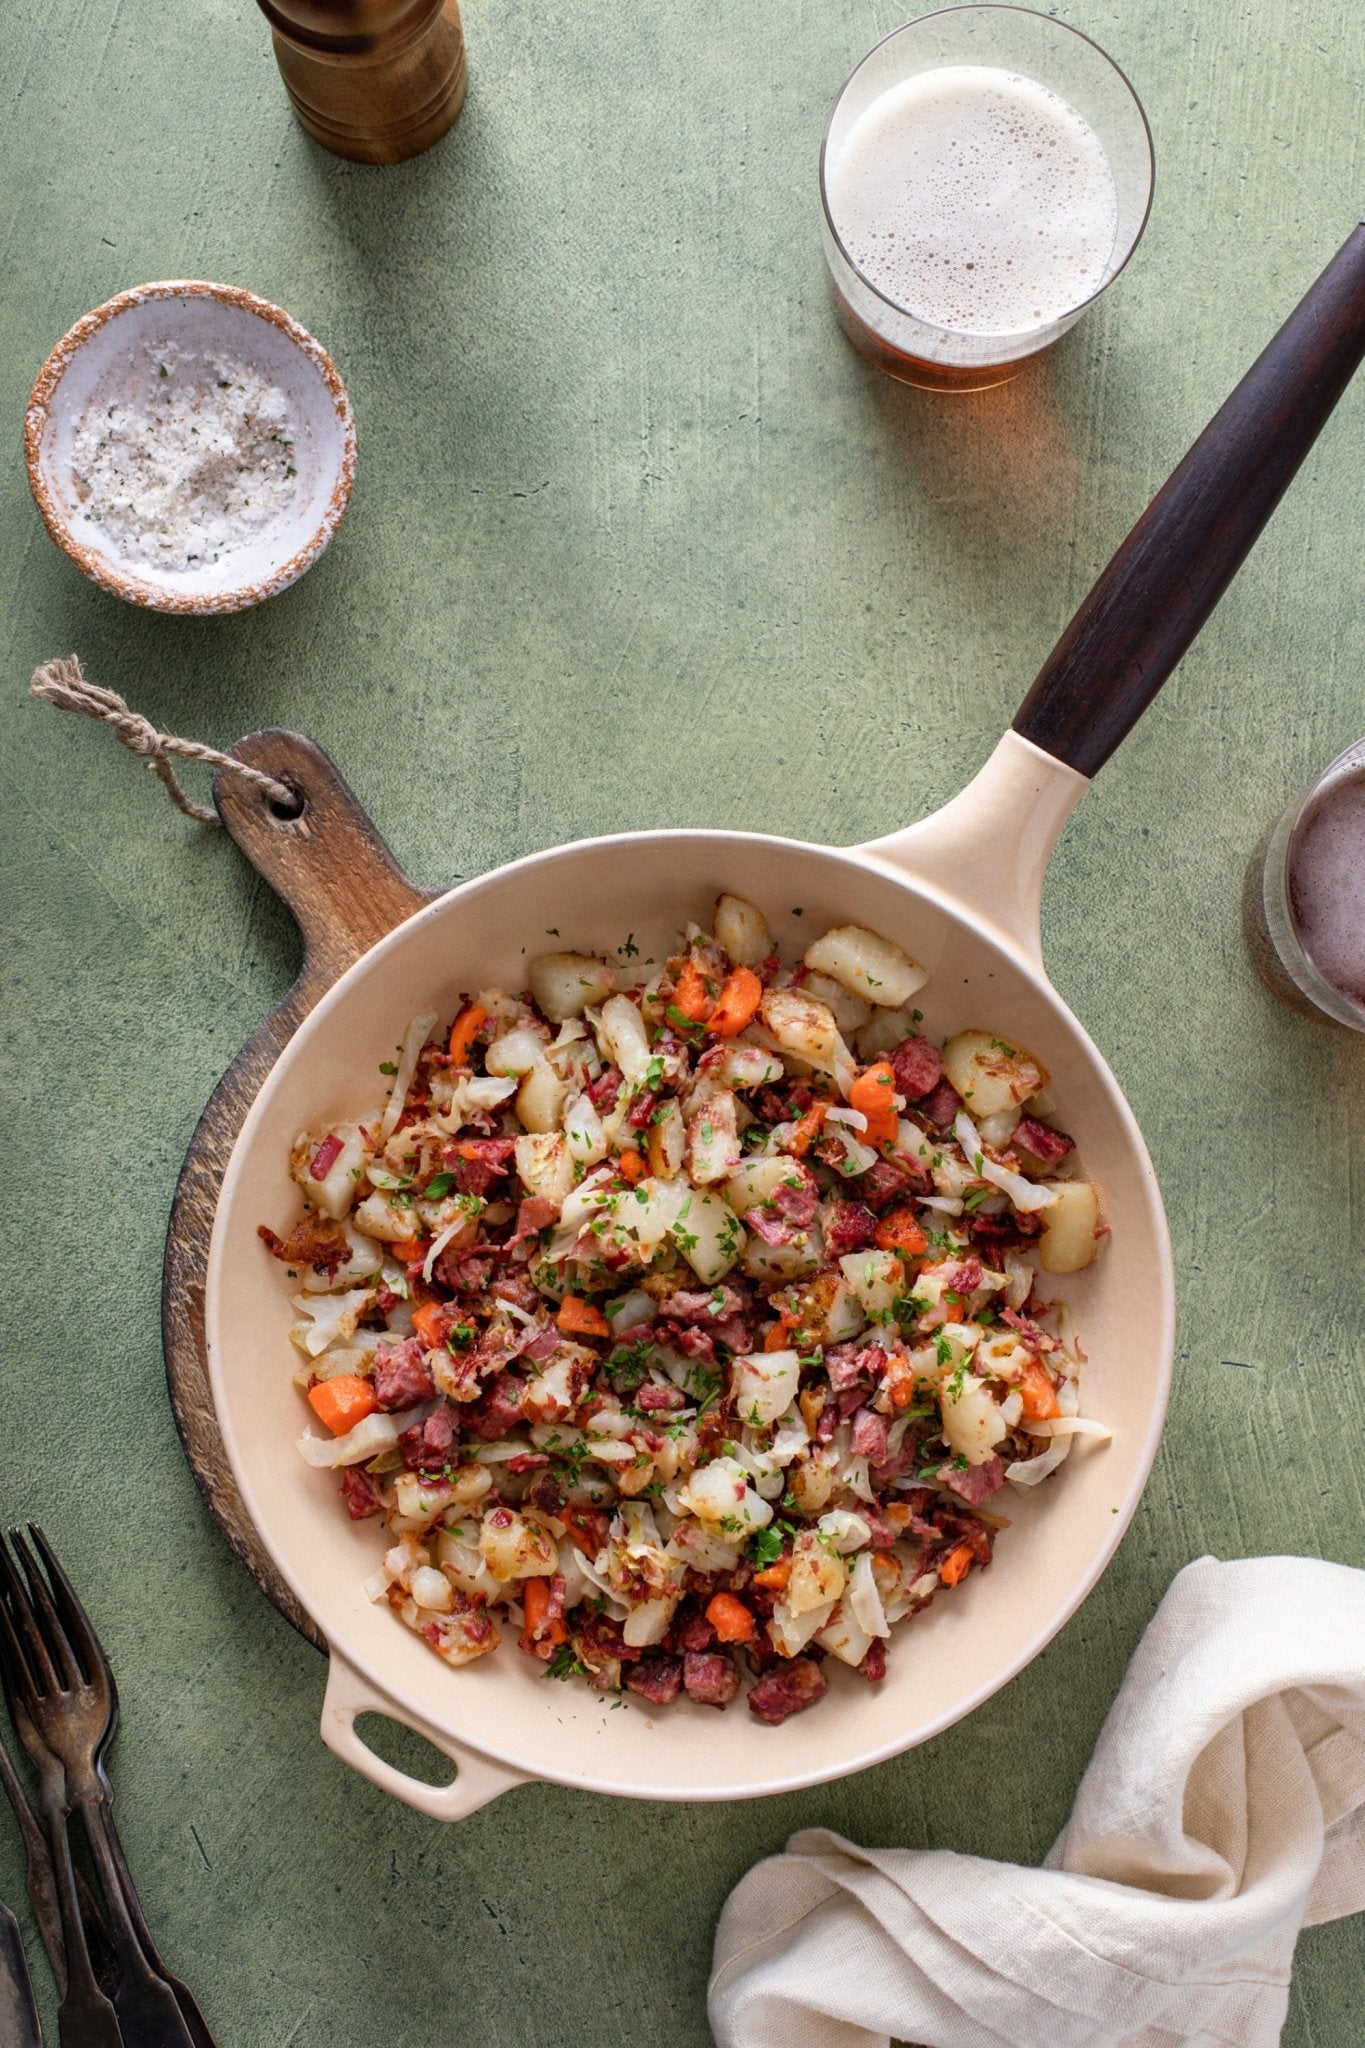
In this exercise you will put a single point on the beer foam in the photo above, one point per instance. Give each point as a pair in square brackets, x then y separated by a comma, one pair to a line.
[976, 199]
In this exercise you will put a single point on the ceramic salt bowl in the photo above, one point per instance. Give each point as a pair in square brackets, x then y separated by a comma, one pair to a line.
[195, 319]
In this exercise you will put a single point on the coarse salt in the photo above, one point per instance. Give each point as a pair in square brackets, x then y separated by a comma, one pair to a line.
[184, 456]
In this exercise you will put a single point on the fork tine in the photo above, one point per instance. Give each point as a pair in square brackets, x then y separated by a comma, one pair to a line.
[46, 1616]
[36, 1664]
[80, 1632]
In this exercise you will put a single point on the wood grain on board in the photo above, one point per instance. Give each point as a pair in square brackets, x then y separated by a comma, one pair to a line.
[345, 890]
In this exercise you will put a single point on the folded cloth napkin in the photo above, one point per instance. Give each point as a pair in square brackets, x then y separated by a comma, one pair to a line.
[1223, 1809]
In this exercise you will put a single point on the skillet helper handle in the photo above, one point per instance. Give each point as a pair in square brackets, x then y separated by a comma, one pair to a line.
[1170, 572]
[478, 1778]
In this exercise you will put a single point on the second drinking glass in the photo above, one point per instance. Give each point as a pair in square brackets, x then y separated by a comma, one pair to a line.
[986, 173]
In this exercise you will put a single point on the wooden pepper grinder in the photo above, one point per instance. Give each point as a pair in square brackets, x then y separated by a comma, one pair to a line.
[374, 80]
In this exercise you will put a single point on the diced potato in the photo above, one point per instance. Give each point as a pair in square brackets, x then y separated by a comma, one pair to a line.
[745, 1066]
[845, 1316]
[545, 1165]
[708, 1234]
[758, 1180]
[336, 1191]
[789, 1633]
[742, 930]
[972, 1422]
[989, 1073]
[668, 1142]
[540, 1098]
[877, 1278]
[517, 1051]
[812, 1481]
[888, 1029]
[652, 1209]
[801, 1026]
[845, 1637]
[871, 966]
[583, 1129]
[421, 1499]
[565, 983]
[713, 1140]
[458, 1552]
[844, 1531]
[961, 1340]
[849, 1012]
[513, 1548]
[1068, 1241]
[432, 1589]
[763, 1385]
[623, 1038]
[391, 1222]
[783, 1261]
[818, 1574]
[720, 1494]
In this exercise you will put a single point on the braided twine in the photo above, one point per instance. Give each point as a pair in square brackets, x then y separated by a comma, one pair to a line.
[61, 683]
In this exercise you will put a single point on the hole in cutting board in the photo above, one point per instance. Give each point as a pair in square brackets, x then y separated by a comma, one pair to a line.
[406, 1751]
[286, 812]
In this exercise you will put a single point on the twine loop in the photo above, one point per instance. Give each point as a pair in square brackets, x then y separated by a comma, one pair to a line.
[60, 683]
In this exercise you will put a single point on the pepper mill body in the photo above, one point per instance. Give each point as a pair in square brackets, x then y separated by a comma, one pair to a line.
[373, 80]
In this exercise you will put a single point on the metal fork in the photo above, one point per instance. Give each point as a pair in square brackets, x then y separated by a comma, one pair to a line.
[80, 1631]
[85, 2017]
[72, 1703]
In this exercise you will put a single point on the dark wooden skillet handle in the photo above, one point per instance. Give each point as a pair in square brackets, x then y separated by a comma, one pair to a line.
[1190, 542]
[346, 891]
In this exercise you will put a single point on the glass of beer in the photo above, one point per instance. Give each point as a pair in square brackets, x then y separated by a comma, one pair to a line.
[1304, 901]
[985, 174]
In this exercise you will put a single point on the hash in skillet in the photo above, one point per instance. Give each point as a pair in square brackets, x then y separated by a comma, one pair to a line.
[691, 1313]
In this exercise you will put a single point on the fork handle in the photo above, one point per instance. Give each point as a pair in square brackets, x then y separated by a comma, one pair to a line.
[85, 2017]
[147, 2008]
[195, 2024]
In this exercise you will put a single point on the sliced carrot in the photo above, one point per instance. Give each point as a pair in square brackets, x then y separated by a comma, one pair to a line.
[581, 1317]
[731, 1619]
[1039, 1394]
[776, 1339]
[899, 1380]
[465, 1030]
[899, 1231]
[955, 1564]
[872, 1093]
[690, 996]
[740, 995]
[774, 1576]
[807, 1129]
[342, 1402]
[540, 1626]
[429, 1322]
[631, 1166]
[408, 1250]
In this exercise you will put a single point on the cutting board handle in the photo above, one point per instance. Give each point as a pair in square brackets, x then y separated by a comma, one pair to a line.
[346, 890]
[326, 861]
[1170, 572]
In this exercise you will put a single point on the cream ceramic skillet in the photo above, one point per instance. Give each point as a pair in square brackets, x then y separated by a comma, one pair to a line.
[961, 891]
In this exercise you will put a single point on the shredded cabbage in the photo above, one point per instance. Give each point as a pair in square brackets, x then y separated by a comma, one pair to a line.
[415, 1037]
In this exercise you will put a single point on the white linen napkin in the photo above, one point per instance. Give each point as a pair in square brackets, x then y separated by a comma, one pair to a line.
[1223, 1809]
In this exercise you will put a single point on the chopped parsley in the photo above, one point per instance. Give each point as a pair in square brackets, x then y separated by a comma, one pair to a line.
[564, 1664]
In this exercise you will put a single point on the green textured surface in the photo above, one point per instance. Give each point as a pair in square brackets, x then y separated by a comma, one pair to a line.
[636, 540]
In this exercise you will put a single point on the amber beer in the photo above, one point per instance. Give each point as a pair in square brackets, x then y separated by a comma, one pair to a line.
[971, 210]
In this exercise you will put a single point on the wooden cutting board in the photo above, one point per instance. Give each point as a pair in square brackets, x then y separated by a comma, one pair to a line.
[332, 869]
